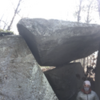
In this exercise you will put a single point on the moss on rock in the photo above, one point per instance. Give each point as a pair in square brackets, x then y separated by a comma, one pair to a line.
[5, 32]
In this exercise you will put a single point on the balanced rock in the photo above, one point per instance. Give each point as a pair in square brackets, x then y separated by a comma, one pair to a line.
[20, 75]
[66, 81]
[56, 42]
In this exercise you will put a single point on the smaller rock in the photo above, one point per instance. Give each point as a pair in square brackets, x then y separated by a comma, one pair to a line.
[66, 81]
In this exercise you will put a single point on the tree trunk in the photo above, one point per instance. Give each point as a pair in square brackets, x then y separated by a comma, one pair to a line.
[84, 63]
[88, 13]
[1, 18]
[97, 76]
[98, 6]
[14, 15]
[79, 11]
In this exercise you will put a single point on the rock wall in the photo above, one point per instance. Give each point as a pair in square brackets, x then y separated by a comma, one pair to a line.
[20, 75]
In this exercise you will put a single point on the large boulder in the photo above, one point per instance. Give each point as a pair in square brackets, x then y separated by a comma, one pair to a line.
[20, 76]
[66, 81]
[55, 42]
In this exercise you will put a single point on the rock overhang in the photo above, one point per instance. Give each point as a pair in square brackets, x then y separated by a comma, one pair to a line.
[56, 42]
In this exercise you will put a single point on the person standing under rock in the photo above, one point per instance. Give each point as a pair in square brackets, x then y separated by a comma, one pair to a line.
[86, 93]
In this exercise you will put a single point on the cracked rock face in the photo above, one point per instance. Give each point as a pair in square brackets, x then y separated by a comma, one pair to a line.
[56, 42]
[20, 75]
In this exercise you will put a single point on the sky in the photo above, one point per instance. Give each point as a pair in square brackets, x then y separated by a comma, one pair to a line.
[48, 9]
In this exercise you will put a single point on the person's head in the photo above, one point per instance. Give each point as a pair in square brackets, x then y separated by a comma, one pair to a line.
[86, 85]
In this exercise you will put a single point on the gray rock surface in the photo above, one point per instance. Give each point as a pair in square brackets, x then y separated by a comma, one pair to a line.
[55, 42]
[66, 81]
[20, 75]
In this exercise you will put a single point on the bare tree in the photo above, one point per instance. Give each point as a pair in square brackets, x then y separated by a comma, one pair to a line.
[98, 7]
[79, 11]
[16, 11]
[88, 20]
[1, 18]
[87, 9]
[5, 23]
